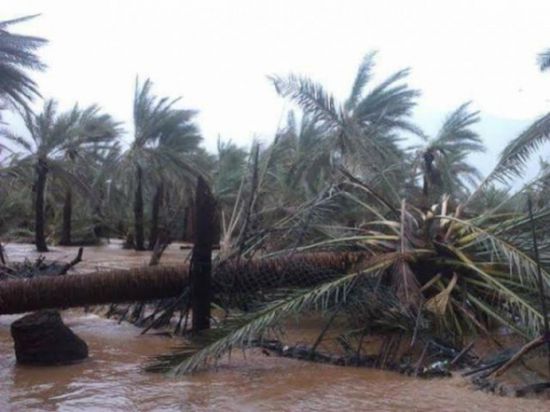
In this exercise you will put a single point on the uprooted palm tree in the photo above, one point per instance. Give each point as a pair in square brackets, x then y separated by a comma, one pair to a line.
[17, 56]
[165, 141]
[437, 272]
[52, 136]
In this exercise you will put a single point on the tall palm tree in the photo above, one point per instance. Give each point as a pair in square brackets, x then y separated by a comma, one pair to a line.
[362, 128]
[52, 136]
[443, 158]
[17, 56]
[165, 139]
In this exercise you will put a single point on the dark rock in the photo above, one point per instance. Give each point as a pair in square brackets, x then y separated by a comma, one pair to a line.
[42, 338]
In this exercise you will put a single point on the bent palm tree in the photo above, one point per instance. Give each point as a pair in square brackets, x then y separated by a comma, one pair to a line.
[165, 139]
[362, 128]
[52, 136]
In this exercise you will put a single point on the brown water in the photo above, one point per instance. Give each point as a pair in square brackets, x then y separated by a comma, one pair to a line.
[112, 379]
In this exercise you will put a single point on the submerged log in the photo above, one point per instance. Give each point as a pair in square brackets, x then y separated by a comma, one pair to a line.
[42, 338]
[159, 282]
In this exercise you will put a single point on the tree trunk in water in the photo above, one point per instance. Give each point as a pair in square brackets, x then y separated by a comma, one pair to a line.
[232, 278]
[67, 214]
[157, 202]
[41, 169]
[138, 211]
[201, 260]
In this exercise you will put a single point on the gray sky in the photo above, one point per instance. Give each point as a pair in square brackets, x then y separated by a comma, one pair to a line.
[217, 54]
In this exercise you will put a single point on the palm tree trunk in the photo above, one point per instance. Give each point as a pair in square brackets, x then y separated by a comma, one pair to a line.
[41, 170]
[189, 230]
[116, 286]
[230, 279]
[138, 211]
[157, 202]
[200, 274]
[67, 214]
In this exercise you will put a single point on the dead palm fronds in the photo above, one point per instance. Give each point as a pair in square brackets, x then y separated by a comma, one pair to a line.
[459, 275]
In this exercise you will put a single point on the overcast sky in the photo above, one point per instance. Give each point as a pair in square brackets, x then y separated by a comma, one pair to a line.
[217, 54]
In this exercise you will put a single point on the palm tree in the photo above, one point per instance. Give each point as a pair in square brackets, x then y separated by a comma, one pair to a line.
[92, 165]
[17, 56]
[165, 139]
[52, 137]
[302, 161]
[362, 128]
[443, 158]
[431, 274]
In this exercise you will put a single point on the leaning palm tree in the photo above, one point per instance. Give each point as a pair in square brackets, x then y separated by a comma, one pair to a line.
[362, 128]
[17, 56]
[51, 137]
[164, 140]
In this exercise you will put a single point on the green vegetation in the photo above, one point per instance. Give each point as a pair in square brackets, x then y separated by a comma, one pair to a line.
[450, 251]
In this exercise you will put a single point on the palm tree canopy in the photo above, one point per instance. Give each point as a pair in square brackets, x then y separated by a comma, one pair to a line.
[54, 137]
[444, 157]
[164, 137]
[52, 133]
[361, 131]
[17, 56]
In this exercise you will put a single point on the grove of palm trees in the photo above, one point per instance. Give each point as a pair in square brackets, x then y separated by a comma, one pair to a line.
[351, 221]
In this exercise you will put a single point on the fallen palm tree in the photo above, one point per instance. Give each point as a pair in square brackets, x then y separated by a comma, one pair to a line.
[430, 273]
[159, 282]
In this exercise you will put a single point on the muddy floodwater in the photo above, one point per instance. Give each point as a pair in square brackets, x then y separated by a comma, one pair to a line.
[112, 378]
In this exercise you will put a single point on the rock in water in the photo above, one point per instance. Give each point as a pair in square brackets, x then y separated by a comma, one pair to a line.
[42, 338]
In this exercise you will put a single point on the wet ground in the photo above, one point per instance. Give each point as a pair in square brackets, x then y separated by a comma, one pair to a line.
[112, 378]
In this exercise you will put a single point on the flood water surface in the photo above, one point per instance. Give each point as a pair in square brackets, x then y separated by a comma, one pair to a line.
[112, 379]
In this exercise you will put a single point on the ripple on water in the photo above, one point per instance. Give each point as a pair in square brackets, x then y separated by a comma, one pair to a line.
[112, 380]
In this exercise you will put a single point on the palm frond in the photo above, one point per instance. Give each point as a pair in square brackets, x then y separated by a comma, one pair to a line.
[311, 97]
[251, 327]
[361, 79]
